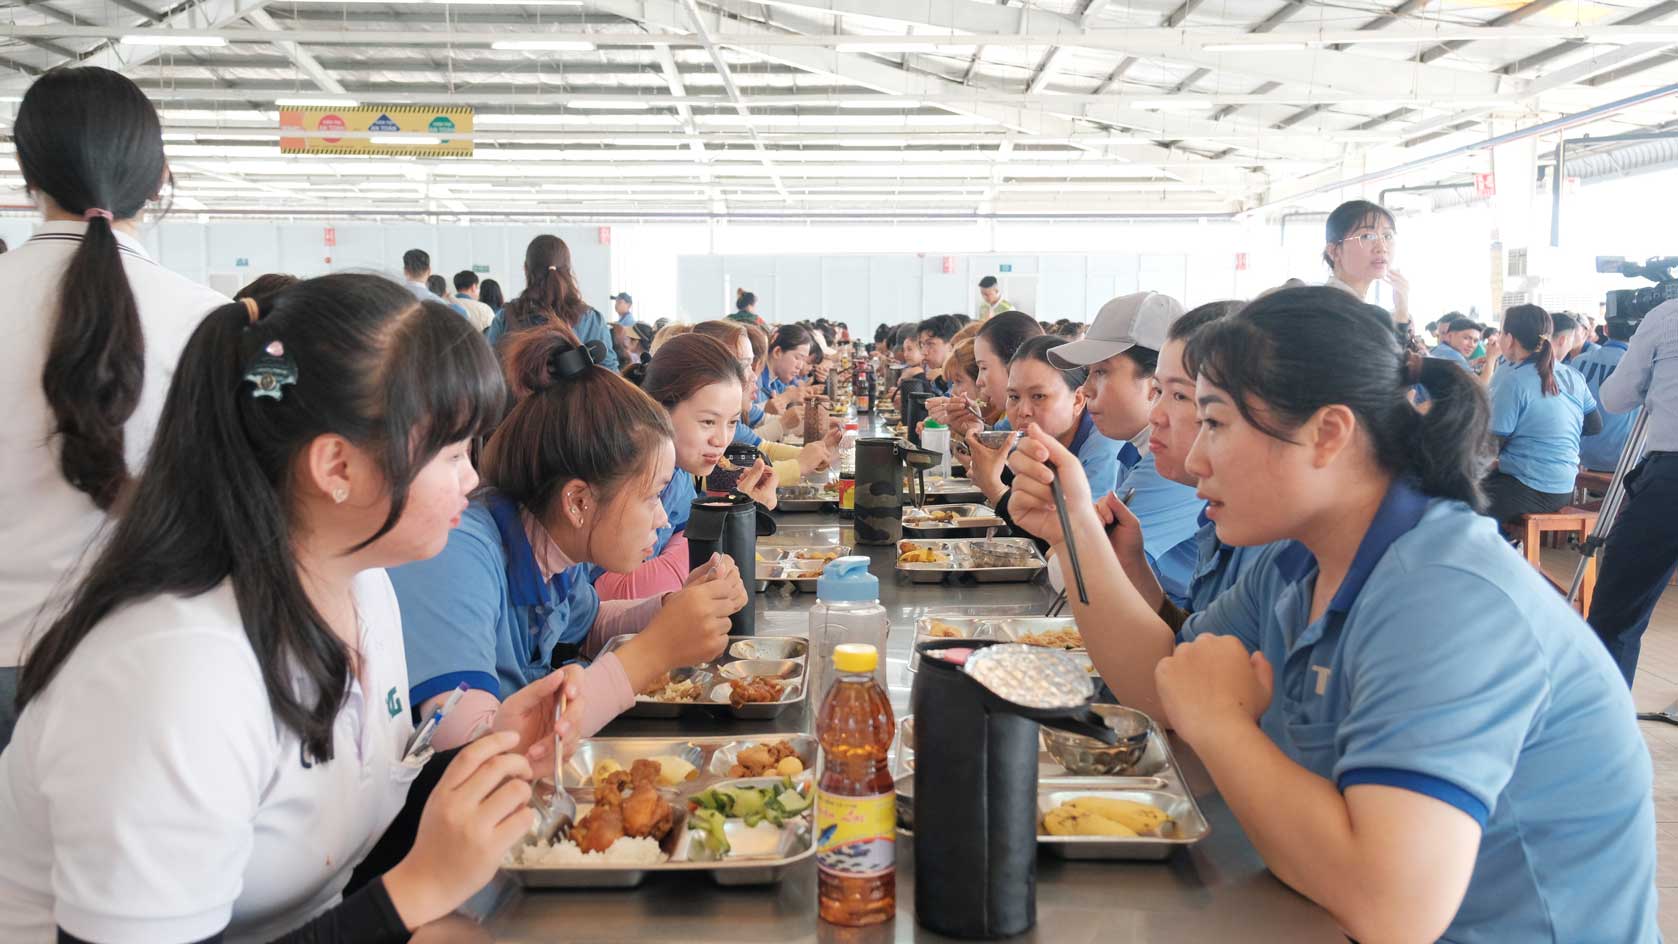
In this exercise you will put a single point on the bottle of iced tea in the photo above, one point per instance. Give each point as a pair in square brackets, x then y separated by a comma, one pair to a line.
[856, 804]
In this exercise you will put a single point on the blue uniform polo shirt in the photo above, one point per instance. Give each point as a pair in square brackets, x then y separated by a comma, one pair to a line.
[1602, 451]
[480, 612]
[1099, 456]
[1447, 666]
[768, 385]
[1169, 513]
[1216, 565]
[1449, 353]
[677, 499]
[1540, 433]
[744, 434]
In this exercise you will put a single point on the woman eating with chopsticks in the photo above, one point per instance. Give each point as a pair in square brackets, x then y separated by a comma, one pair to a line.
[700, 384]
[1469, 770]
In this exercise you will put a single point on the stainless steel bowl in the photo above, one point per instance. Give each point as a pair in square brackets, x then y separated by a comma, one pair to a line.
[1087, 757]
[996, 438]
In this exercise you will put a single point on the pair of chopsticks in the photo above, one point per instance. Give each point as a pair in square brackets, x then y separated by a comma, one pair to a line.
[1066, 532]
[1059, 604]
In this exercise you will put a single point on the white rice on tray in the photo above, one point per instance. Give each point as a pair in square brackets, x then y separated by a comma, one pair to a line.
[625, 851]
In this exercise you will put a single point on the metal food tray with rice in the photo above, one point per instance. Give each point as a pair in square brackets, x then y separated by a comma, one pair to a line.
[952, 521]
[761, 854]
[711, 757]
[806, 496]
[974, 560]
[951, 491]
[1039, 631]
[798, 567]
[711, 680]
[1163, 789]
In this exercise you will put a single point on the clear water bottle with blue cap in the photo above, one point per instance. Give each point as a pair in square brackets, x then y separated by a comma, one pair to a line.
[847, 610]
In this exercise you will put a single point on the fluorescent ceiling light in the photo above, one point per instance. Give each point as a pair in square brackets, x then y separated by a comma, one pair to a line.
[882, 103]
[317, 102]
[622, 104]
[457, 3]
[555, 45]
[1168, 104]
[925, 49]
[400, 140]
[183, 39]
[1251, 47]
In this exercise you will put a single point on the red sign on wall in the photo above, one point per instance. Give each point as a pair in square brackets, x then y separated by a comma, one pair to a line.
[949, 264]
[331, 236]
[1240, 262]
[605, 235]
[1485, 185]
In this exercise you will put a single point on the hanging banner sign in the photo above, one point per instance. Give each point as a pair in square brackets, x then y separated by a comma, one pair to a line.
[390, 131]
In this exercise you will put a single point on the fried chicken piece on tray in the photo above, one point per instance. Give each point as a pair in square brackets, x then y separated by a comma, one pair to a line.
[646, 814]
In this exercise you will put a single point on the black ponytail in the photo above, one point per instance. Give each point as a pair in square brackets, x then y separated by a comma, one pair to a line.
[1532, 326]
[1300, 349]
[351, 355]
[90, 140]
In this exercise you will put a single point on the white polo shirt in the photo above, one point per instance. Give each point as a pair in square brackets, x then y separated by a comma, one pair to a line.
[149, 794]
[45, 524]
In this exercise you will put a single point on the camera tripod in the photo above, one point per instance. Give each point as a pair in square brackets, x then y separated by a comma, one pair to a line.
[1612, 501]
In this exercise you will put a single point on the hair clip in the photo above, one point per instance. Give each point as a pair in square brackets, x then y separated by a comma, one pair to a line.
[272, 372]
[574, 362]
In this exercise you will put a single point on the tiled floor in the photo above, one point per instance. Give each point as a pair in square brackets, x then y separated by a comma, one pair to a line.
[1656, 688]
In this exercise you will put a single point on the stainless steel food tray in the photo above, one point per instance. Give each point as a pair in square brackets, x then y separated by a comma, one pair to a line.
[961, 564]
[973, 521]
[949, 491]
[795, 694]
[1157, 779]
[1005, 628]
[804, 497]
[711, 755]
[783, 566]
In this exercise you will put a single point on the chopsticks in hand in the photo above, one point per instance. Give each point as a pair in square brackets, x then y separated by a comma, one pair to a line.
[1066, 532]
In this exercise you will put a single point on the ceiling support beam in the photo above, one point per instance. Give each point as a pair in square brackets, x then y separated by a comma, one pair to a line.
[297, 54]
[727, 76]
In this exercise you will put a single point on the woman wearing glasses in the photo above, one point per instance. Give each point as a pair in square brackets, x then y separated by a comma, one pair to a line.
[1362, 239]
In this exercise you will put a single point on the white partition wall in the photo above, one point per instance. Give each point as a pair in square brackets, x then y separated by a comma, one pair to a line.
[231, 253]
[865, 290]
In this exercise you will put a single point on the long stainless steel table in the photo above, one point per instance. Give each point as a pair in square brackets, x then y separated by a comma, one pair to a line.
[1218, 890]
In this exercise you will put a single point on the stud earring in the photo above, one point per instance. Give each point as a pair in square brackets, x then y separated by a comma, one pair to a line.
[340, 495]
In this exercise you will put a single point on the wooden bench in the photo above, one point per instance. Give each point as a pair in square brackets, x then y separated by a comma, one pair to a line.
[1571, 521]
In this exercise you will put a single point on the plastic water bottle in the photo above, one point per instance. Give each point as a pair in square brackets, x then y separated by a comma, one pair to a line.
[847, 471]
[847, 610]
[935, 437]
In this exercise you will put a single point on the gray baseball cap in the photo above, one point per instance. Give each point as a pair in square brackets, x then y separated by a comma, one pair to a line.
[1142, 319]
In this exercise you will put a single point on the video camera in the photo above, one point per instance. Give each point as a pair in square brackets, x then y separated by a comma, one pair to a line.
[1629, 306]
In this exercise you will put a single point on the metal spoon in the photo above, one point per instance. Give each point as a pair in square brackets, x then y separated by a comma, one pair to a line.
[560, 810]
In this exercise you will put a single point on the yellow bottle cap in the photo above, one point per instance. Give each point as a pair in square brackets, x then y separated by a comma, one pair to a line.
[855, 658]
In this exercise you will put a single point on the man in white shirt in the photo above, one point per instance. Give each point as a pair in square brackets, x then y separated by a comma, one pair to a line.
[994, 303]
[466, 296]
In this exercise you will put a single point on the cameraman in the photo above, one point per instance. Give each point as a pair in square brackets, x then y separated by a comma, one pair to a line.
[1642, 549]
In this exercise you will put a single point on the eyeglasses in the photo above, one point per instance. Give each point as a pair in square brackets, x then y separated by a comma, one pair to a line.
[1369, 239]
